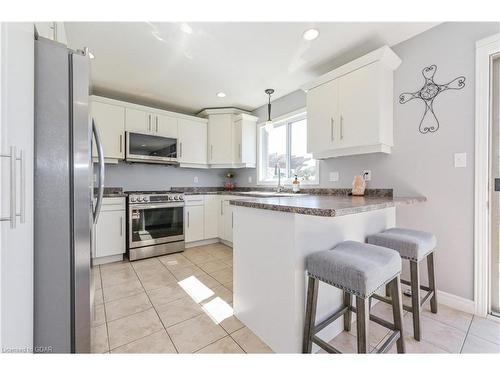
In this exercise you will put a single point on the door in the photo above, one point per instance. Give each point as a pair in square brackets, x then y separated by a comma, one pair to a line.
[220, 135]
[322, 117]
[151, 224]
[212, 208]
[358, 107]
[192, 142]
[138, 121]
[110, 120]
[16, 130]
[110, 233]
[194, 223]
[165, 126]
[495, 198]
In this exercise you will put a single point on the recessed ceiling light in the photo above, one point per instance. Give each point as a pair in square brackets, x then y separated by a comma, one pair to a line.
[91, 55]
[310, 34]
[221, 94]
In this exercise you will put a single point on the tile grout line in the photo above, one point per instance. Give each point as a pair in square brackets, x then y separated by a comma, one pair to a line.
[104, 308]
[156, 312]
[466, 335]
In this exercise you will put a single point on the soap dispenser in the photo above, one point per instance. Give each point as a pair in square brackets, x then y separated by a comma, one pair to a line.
[296, 185]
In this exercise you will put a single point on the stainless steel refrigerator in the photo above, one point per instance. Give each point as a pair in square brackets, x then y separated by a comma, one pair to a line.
[63, 200]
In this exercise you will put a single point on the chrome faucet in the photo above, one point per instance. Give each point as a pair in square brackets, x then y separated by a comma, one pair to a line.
[277, 171]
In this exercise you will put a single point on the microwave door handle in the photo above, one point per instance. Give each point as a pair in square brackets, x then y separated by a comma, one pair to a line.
[100, 156]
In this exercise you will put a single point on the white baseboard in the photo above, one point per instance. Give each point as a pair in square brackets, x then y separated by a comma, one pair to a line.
[455, 302]
[108, 259]
[202, 242]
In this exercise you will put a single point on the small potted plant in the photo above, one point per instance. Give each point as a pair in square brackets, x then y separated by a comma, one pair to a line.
[229, 185]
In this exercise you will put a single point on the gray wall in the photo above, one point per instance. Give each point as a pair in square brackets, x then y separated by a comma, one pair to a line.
[423, 164]
[159, 177]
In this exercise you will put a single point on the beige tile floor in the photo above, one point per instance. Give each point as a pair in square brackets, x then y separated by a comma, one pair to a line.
[182, 303]
[179, 303]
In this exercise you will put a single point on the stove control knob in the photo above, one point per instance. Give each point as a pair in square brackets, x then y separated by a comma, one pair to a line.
[132, 199]
[181, 198]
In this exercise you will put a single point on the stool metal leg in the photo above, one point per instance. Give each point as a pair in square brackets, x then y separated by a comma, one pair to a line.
[432, 281]
[397, 312]
[348, 314]
[362, 321]
[415, 298]
[312, 298]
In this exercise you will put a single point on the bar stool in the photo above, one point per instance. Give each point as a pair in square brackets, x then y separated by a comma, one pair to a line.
[414, 246]
[357, 269]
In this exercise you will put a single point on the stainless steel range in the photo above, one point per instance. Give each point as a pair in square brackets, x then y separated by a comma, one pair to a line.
[155, 223]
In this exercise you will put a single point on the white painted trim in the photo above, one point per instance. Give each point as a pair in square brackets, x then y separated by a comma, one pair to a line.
[384, 55]
[202, 242]
[455, 302]
[485, 48]
[107, 259]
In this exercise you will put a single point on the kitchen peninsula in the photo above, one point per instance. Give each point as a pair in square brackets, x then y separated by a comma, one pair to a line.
[271, 239]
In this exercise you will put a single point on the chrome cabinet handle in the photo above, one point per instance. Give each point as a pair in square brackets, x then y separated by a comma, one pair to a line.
[341, 127]
[22, 190]
[121, 141]
[239, 150]
[188, 219]
[232, 219]
[149, 122]
[332, 128]
[221, 211]
[156, 121]
[121, 226]
[180, 149]
[13, 184]
[211, 152]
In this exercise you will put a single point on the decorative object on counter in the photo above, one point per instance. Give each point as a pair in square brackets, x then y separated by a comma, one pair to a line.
[229, 185]
[296, 185]
[358, 186]
[427, 94]
[269, 123]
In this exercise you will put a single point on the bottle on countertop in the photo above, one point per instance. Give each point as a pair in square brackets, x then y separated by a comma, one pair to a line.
[296, 185]
[358, 186]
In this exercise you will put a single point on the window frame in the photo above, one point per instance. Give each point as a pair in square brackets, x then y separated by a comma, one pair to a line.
[286, 119]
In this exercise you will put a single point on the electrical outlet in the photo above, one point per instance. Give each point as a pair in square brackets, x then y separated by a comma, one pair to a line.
[250, 179]
[334, 176]
[195, 179]
[367, 175]
[460, 160]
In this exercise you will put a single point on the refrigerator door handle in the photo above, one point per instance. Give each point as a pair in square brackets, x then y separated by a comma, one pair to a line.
[100, 156]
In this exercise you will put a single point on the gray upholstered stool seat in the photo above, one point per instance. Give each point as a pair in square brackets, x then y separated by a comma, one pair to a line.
[356, 267]
[414, 246]
[411, 244]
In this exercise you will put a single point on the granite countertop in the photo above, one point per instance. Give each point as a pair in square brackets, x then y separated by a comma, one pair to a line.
[329, 205]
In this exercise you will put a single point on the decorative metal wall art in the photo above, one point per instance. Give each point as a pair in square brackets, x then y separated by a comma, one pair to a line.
[427, 94]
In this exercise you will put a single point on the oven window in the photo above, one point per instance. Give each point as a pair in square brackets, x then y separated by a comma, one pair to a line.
[157, 223]
[152, 145]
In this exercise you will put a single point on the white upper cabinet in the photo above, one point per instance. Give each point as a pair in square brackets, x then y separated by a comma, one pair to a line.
[110, 121]
[138, 121]
[52, 30]
[350, 109]
[232, 138]
[192, 142]
[165, 126]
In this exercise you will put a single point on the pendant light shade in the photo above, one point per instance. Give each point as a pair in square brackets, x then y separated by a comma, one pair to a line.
[269, 123]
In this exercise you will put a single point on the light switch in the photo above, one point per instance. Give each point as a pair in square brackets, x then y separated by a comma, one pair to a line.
[195, 179]
[461, 160]
[367, 175]
[334, 176]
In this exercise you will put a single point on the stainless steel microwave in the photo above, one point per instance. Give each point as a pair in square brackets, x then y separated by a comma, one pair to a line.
[147, 148]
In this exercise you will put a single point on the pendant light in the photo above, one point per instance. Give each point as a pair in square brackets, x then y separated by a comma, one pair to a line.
[269, 123]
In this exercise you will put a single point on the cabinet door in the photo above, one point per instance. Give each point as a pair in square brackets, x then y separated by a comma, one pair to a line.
[237, 141]
[165, 126]
[322, 117]
[212, 208]
[220, 133]
[138, 121]
[110, 120]
[228, 221]
[192, 142]
[194, 220]
[110, 233]
[359, 107]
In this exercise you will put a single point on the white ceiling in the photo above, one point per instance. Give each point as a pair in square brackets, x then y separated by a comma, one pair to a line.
[182, 66]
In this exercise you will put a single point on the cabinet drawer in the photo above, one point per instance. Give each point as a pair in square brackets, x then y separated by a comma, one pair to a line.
[194, 200]
[113, 204]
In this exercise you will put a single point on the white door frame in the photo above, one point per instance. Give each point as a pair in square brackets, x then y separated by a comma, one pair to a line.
[485, 48]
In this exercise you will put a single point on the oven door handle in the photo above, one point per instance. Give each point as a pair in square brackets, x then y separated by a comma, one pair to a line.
[148, 206]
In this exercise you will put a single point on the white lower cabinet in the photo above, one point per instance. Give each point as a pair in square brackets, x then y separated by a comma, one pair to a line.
[194, 219]
[211, 216]
[110, 229]
[228, 221]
